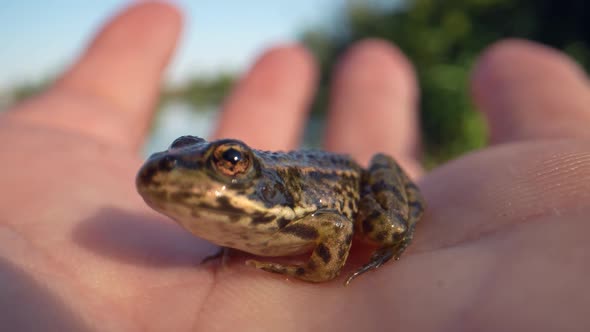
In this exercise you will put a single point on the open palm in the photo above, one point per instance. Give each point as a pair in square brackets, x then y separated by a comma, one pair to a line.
[503, 245]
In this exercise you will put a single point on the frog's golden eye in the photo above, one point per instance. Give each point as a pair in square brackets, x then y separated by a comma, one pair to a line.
[232, 160]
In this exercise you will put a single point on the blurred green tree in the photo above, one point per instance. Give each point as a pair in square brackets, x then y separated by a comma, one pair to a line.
[443, 38]
[201, 91]
[21, 92]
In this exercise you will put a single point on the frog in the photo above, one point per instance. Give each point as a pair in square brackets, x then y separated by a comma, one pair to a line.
[275, 204]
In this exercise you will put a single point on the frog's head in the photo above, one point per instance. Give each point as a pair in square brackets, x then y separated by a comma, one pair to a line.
[195, 178]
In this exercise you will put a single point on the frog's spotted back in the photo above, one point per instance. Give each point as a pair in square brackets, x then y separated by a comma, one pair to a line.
[315, 179]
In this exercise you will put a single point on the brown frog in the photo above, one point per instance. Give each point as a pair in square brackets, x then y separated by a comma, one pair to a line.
[284, 203]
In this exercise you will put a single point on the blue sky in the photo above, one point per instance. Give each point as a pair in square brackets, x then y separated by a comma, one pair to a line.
[40, 39]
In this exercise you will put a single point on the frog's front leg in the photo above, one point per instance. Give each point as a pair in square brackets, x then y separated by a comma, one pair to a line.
[389, 208]
[329, 231]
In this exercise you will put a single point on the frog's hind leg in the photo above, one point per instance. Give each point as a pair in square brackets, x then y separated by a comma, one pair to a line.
[331, 233]
[389, 208]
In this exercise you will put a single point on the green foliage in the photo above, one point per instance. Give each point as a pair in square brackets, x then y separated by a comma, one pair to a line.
[23, 91]
[202, 91]
[29, 89]
[442, 39]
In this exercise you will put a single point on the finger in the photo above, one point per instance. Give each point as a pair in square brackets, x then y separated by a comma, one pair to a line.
[529, 91]
[373, 105]
[486, 192]
[268, 107]
[111, 90]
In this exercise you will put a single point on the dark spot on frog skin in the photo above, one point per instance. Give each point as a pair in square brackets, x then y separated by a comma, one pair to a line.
[374, 215]
[397, 237]
[388, 187]
[368, 225]
[234, 218]
[300, 271]
[282, 222]
[311, 265]
[349, 239]
[318, 176]
[272, 191]
[302, 231]
[146, 176]
[351, 204]
[365, 190]
[352, 194]
[323, 252]
[166, 163]
[415, 204]
[381, 236]
[341, 251]
[377, 166]
[179, 196]
[258, 219]
[226, 206]
[416, 208]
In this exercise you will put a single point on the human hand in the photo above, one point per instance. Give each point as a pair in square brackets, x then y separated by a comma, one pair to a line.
[502, 245]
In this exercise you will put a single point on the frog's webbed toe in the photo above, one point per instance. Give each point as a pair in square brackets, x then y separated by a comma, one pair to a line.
[379, 257]
[307, 271]
[332, 234]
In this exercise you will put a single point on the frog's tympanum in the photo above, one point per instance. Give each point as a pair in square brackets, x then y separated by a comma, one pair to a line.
[284, 203]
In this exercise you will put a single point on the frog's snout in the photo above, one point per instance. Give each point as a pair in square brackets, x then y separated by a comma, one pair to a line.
[166, 162]
[156, 163]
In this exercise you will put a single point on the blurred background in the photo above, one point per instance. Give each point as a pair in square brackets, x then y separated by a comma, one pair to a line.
[221, 39]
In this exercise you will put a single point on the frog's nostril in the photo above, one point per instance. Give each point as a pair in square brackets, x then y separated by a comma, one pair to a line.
[167, 163]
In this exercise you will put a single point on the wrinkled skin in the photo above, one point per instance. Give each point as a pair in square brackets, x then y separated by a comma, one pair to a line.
[503, 245]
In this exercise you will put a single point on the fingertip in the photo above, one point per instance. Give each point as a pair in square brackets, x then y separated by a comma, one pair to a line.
[268, 106]
[163, 11]
[295, 54]
[514, 57]
[373, 106]
[139, 40]
[368, 60]
[528, 90]
[278, 64]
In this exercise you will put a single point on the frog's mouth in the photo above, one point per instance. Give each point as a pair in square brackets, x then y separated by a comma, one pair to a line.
[198, 203]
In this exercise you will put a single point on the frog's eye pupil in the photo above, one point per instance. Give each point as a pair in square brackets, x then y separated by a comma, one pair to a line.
[232, 160]
[232, 155]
